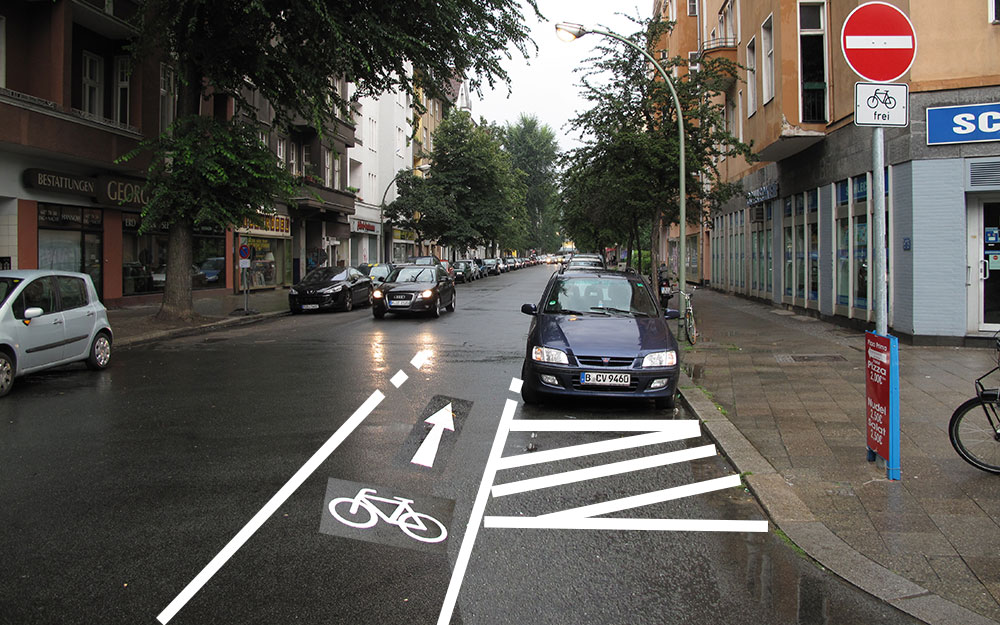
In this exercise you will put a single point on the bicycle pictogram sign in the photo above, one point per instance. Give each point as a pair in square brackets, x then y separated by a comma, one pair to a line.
[881, 96]
[362, 512]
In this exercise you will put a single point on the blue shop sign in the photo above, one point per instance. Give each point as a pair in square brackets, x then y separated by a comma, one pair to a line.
[968, 123]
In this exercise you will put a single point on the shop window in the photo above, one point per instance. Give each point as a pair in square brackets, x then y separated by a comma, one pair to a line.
[860, 184]
[861, 261]
[843, 262]
[92, 85]
[70, 239]
[812, 200]
[144, 257]
[789, 266]
[800, 204]
[800, 261]
[842, 199]
[769, 242]
[813, 262]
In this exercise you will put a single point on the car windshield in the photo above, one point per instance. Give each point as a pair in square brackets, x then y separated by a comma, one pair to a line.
[325, 274]
[490, 261]
[213, 264]
[424, 260]
[461, 265]
[599, 295]
[7, 286]
[413, 274]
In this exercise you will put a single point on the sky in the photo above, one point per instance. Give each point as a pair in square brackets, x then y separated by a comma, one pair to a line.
[546, 85]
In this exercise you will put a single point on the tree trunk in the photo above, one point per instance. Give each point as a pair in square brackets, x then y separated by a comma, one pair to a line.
[628, 253]
[177, 302]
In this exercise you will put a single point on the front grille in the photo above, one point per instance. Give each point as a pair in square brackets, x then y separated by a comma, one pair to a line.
[401, 297]
[598, 361]
[313, 299]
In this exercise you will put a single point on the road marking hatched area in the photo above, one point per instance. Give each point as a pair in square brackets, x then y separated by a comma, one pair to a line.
[285, 492]
[653, 431]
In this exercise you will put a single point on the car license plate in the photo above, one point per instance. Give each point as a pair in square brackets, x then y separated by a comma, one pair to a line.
[399, 302]
[310, 306]
[605, 379]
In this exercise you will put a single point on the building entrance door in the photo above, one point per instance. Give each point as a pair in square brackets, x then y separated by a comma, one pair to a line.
[989, 267]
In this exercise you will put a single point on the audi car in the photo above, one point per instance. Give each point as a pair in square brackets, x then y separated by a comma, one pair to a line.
[415, 289]
[599, 333]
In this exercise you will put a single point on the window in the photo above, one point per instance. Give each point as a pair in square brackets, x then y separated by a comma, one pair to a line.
[3, 52]
[293, 158]
[40, 293]
[336, 171]
[751, 78]
[123, 71]
[280, 150]
[692, 7]
[812, 62]
[72, 292]
[92, 85]
[168, 97]
[328, 167]
[767, 60]
[994, 17]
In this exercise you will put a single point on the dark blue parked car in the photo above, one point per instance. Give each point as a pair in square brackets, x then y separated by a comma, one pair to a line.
[599, 333]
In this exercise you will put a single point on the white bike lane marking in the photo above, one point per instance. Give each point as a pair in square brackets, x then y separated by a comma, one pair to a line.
[580, 518]
[284, 493]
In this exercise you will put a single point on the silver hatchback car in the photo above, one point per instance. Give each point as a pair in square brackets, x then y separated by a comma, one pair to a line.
[50, 318]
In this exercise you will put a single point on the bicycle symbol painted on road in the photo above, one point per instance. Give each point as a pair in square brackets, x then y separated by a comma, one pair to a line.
[361, 512]
[881, 96]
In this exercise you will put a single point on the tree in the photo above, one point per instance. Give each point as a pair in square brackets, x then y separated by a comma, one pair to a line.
[472, 194]
[289, 51]
[534, 152]
[626, 172]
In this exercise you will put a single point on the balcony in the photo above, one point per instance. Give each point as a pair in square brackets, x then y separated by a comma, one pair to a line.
[314, 195]
[721, 48]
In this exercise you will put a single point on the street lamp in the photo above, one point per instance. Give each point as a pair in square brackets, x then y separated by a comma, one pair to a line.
[567, 31]
[387, 238]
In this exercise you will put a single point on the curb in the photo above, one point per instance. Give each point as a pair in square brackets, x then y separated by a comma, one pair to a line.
[201, 329]
[792, 516]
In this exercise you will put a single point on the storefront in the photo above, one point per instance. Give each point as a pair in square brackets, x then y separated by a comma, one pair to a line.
[365, 236]
[270, 245]
[144, 257]
[403, 245]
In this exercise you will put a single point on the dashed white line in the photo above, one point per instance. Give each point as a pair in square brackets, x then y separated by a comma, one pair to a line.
[421, 358]
[398, 379]
[515, 385]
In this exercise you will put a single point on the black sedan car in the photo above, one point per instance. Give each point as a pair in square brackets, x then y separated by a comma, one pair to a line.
[466, 271]
[599, 334]
[415, 289]
[325, 288]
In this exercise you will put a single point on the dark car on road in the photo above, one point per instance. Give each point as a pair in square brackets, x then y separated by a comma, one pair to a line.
[376, 271]
[326, 288]
[415, 289]
[491, 267]
[466, 271]
[599, 334]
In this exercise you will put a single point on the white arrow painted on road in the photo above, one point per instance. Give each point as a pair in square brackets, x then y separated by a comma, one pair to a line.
[441, 420]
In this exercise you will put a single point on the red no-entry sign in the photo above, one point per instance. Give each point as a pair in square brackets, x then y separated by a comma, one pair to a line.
[879, 42]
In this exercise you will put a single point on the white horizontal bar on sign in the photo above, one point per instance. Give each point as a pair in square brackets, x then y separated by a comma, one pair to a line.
[601, 425]
[636, 501]
[614, 468]
[877, 42]
[603, 523]
[600, 447]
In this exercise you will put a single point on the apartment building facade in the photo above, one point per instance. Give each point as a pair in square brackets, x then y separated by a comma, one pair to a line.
[800, 235]
[71, 104]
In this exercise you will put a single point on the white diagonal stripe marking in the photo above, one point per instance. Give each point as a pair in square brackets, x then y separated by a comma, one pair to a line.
[667, 494]
[600, 447]
[600, 425]
[661, 525]
[876, 42]
[614, 468]
[398, 379]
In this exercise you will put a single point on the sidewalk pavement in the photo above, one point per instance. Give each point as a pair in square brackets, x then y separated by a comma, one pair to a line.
[214, 309]
[783, 394]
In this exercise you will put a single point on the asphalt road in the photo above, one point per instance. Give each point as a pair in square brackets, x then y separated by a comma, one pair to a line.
[119, 487]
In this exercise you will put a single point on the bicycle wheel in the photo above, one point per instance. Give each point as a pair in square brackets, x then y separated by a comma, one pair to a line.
[873, 102]
[690, 329]
[363, 518]
[890, 102]
[422, 527]
[973, 434]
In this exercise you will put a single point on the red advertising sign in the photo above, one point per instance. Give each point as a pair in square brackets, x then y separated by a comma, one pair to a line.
[879, 42]
[877, 358]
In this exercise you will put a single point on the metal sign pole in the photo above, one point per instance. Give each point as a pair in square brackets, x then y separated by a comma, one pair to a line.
[879, 243]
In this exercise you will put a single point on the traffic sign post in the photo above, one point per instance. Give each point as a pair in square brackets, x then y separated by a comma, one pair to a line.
[244, 254]
[880, 44]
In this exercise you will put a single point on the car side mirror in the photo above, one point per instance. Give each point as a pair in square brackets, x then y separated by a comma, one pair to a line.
[671, 313]
[529, 309]
[34, 311]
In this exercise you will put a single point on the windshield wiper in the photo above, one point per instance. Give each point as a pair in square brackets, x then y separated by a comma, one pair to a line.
[612, 309]
[567, 312]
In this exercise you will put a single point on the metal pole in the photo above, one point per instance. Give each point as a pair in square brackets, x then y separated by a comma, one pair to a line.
[879, 246]
[682, 217]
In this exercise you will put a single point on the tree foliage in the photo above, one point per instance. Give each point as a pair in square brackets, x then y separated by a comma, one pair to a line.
[625, 176]
[534, 152]
[472, 195]
[290, 51]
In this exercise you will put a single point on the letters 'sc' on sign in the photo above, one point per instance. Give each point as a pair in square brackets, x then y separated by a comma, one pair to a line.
[879, 42]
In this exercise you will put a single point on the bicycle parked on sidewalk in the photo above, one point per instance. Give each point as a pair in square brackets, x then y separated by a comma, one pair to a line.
[690, 327]
[974, 429]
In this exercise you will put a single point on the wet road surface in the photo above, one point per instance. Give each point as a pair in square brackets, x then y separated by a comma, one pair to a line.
[119, 487]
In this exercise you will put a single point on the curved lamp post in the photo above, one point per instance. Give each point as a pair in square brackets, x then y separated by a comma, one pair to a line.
[568, 31]
[387, 239]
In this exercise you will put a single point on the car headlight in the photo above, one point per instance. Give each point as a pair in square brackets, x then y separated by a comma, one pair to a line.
[332, 289]
[292, 291]
[377, 294]
[427, 294]
[549, 354]
[660, 359]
